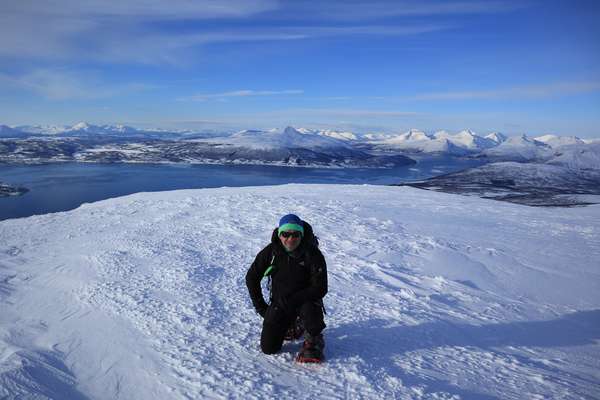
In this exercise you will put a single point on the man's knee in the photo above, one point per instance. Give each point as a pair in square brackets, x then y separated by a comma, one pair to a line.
[271, 338]
[312, 315]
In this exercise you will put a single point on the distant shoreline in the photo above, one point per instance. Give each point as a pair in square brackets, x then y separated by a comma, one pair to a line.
[531, 184]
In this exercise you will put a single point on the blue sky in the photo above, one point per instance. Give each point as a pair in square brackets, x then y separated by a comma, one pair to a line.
[510, 66]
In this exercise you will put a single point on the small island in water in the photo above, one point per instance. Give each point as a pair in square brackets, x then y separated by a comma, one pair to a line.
[7, 190]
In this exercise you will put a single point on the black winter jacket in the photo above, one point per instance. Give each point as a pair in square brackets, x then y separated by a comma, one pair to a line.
[297, 277]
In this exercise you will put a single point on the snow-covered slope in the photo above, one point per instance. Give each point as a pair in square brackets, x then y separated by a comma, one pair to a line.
[462, 143]
[589, 141]
[519, 148]
[496, 137]
[413, 135]
[558, 141]
[578, 156]
[274, 139]
[50, 130]
[340, 135]
[86, 130]
[292, 147]
[416, 141]
[432, 296]
[8, 132]
[467, 140]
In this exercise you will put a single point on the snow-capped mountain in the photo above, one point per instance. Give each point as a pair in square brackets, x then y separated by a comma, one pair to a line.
[519, 148]
[588, 141]
[85, 129]
[340, 135]
[559, 182]
[6, 132]
[566, 176]
[555, 141]
[49, 130]
[286, 138]
[578, 156]
[467, 140]
[413, 135]
[497, 137]
[293, 147]
[415, 140]
[276, 145]
[287, 147]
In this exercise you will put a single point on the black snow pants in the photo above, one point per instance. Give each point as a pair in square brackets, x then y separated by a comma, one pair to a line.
[277, 321]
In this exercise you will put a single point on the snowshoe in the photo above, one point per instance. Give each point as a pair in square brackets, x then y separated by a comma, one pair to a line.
[295, 330]
[312, 349]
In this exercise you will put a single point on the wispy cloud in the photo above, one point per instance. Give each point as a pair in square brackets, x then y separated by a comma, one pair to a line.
[141, 9]
[111, 31]
[63, 84]
[131, 31]
[361, 113]
[377, 9]
[74, 39]
[239, 93]
[343, 113]
[528, 92]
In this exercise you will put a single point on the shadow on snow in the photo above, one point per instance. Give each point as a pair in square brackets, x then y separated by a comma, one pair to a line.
[379, 341]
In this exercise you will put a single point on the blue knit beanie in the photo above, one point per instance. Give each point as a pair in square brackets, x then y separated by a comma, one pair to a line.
[290, 222]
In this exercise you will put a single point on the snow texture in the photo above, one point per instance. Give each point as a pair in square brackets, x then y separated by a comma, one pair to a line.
[432, 296]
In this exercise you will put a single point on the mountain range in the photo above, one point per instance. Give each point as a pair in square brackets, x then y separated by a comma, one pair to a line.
[570, 177]
[108, 144]
[290, 146]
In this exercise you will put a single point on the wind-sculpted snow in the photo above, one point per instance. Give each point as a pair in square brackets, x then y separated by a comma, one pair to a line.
[431, 296]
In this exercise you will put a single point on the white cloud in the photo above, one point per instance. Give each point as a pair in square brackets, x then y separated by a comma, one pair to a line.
[361, 113]
[240, 93]
[130, 32]
[62, 84]
[377, 9]
[115, 31]
[342, 113]
[139, 9]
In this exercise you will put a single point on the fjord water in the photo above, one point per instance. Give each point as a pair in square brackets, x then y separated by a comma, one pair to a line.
[65, 186]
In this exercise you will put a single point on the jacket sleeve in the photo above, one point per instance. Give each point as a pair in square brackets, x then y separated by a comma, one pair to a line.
[254, 276]
[318, 282]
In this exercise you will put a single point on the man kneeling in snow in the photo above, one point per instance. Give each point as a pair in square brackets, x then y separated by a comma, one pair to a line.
[298, 274]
